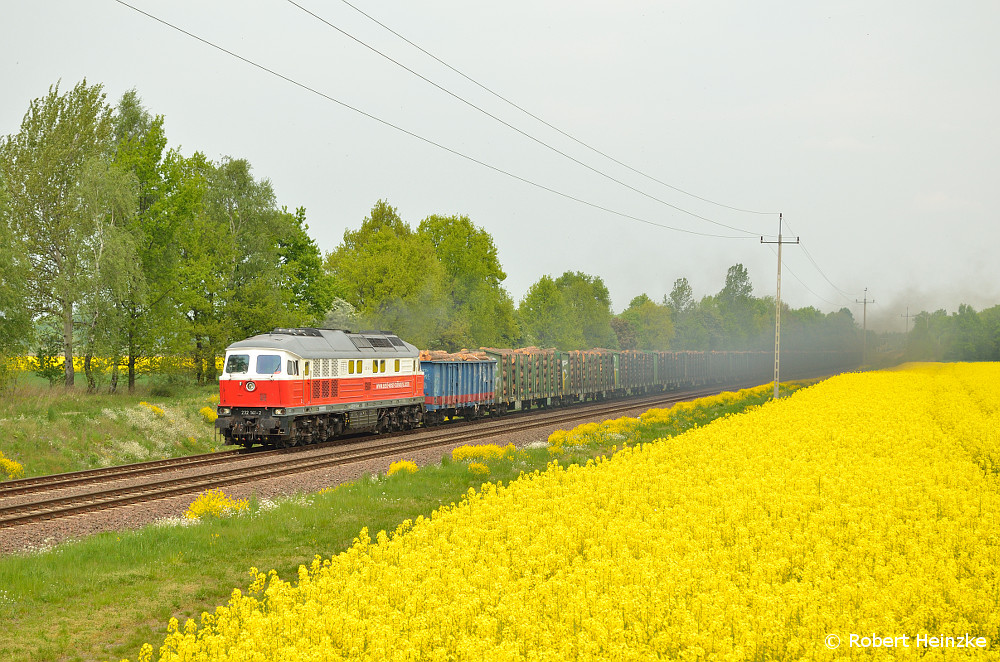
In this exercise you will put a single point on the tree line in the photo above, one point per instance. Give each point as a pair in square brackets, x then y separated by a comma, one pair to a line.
[965, 335]
[114, 244]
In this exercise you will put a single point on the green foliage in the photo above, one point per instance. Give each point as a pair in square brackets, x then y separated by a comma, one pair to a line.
[55, 191]
[965, 335]
[15, 317]
[308, 288]
[48, 363]
[547, 318]
[392, 277]
[481, 312]
[569, 312]
[649, 322]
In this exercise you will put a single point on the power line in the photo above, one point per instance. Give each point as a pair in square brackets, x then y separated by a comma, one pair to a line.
[421, 138]
[802, 282]
[551, 126]
[821, 272]
[514, 128]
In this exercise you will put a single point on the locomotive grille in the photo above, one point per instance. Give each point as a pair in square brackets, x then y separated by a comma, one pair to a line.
[315, 388]
[379, 342]
[326, 388]
[334, 388]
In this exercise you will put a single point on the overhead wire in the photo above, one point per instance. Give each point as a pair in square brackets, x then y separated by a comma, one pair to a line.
[514, 128]
[801, 282]
[805, 250]
[422, 138]
[551, 126]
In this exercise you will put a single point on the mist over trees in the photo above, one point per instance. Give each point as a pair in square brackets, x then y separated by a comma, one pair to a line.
[965, 335]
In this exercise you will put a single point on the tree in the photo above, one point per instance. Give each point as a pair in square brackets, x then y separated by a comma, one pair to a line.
[681, 299]
[41, 167]
[231, 271]
[588, 298]
[651, 323]
[109, 262]
[548, 319]
[481, 311]
[391, 276]
[308, 288]
[15, 318]
[143, 309]
[743, 317]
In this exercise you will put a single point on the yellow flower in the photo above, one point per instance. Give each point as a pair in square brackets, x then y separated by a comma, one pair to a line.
[403, 465]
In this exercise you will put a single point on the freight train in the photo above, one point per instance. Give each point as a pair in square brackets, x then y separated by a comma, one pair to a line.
[298, 386]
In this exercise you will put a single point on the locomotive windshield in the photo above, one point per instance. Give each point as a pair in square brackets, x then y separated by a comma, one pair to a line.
[237, 363]
[268, 364]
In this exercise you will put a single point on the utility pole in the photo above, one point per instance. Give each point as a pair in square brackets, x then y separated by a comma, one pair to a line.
[907, 316]
[777, 308]
[864, 345]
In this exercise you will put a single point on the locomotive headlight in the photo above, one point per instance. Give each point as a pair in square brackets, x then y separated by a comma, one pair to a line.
[224, 411]
[279, 411]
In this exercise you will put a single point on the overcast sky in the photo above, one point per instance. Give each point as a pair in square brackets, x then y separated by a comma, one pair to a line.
[872, 126]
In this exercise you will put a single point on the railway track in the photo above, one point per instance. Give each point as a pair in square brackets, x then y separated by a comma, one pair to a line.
[219, 470]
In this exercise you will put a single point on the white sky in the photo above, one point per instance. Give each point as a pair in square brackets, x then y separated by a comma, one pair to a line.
[871, 125]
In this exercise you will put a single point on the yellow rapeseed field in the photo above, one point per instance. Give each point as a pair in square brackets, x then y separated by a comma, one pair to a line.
[104, 364]
[860, 509]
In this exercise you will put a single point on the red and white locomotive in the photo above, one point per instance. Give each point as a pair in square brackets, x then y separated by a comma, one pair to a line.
[299, 386]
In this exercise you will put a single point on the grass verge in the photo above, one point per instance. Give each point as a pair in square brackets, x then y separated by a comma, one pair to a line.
[103, 597]
[54, 430]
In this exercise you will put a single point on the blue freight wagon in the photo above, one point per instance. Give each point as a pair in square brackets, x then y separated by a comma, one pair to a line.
[458, 388]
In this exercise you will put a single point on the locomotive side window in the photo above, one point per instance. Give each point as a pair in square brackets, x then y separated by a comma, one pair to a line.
[358, 365]
[397, 365]
[237, 363]
[293, 367]
[268, 364]
[350, 367]
[381, 365]
[306, 373]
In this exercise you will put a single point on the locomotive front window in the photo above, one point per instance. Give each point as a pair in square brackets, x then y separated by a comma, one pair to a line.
[237, 363]
[268, 364]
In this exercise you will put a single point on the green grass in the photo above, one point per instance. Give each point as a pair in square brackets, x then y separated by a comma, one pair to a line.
[106, 595]
[54, 430]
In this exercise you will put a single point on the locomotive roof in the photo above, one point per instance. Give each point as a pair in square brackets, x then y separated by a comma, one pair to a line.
[330, 343]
